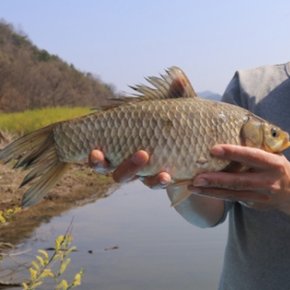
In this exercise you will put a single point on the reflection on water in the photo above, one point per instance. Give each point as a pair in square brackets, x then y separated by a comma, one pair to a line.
[150, 245]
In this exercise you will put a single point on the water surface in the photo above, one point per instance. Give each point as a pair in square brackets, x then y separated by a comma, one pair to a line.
[135, 240]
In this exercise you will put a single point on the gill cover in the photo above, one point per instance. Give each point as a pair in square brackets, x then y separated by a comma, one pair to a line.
[252, 132]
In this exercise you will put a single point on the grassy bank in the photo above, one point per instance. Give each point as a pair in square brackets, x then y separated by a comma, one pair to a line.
[27, 121]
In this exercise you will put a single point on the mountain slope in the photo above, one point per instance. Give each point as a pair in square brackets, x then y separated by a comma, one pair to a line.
[210, 95]
[33, 78]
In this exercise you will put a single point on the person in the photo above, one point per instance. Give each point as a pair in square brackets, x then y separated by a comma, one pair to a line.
[257, 201]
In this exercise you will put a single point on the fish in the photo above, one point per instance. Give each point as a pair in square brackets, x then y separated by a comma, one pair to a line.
[166, 118]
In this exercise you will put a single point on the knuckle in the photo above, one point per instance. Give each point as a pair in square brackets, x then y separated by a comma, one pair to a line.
[280, 166]
[241, 183]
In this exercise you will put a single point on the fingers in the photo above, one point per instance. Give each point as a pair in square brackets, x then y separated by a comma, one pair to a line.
[236, 181]
[247, 187]
[98, 162]
[125, 171]
[160, 180]
[253, 157]
[128, 169]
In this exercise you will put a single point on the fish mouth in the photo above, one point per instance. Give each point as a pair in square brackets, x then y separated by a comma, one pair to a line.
[286, 142]
[280, 146]
[285, 145]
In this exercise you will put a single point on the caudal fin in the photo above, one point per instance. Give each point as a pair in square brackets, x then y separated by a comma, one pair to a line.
[36, 151]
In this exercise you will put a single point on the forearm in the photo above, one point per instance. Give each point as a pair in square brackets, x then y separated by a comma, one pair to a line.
[201, 211]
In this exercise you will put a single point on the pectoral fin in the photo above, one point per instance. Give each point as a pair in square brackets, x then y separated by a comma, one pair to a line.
[178, 192]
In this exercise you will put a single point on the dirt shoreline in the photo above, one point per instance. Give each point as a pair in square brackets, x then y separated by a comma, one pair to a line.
[79, 186]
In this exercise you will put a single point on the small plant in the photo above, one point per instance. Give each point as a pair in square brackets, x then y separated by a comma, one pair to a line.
[45, 266]
[7, 215]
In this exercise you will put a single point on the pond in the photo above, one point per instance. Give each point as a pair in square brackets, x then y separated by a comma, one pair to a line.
[132, 240]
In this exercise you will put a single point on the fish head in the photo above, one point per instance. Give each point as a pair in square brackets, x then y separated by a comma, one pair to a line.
[259, 133]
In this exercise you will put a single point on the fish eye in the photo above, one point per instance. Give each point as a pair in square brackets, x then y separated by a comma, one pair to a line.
[274, 132]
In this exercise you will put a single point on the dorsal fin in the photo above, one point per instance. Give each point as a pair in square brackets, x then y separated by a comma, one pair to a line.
[173, 84]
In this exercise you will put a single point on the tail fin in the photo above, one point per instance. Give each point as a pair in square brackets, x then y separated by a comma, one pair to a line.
[36, 151]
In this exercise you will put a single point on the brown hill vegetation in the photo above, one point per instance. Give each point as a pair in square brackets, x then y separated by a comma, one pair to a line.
[32, 78]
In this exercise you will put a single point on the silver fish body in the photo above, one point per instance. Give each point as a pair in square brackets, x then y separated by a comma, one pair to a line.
[177, 133]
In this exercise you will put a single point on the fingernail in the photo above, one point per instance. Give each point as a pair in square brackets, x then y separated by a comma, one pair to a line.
[200, 182]
[165, 181]
[218, 151]
[138, 160]
[96, 158]
[163, 185]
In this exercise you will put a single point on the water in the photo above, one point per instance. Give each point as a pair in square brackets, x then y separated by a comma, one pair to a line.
[135, 240]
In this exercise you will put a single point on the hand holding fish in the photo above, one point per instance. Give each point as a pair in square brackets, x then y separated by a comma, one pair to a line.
[128, 169]
[266, 185]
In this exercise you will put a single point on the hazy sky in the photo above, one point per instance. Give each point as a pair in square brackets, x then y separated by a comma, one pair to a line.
[121, 41]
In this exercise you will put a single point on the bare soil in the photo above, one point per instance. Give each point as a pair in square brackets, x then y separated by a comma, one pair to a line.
[80, 185]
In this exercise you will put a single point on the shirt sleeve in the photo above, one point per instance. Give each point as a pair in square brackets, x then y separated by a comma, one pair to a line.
[234, 93]
[228, 205]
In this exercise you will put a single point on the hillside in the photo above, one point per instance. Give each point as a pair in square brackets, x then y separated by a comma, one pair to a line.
[210, 95]
[33, 78]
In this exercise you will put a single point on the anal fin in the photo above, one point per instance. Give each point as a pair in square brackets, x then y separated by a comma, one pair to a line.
[178, 191]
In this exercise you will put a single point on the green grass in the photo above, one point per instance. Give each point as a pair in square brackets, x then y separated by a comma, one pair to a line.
[27, 121]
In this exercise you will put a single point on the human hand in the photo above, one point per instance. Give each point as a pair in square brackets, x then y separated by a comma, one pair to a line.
[128, 169]
[266, 185]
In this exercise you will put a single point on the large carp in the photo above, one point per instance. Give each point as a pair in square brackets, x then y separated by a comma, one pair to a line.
[166, 119]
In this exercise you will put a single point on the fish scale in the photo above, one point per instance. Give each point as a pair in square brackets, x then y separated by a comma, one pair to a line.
[168, 120]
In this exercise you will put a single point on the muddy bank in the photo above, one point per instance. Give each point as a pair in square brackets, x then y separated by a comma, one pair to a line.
[80, 185]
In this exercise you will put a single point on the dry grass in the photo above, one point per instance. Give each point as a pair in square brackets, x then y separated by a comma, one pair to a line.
[27, 121]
